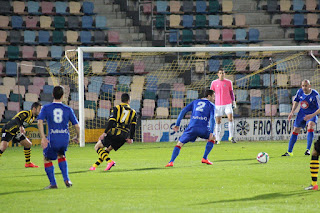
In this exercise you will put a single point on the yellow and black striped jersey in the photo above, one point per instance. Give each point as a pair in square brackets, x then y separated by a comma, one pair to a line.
[124, 117]
[23, 118]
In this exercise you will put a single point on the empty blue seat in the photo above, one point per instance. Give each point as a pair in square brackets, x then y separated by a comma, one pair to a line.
[214, 65]
[298, 19]
[242, 95]
[33, 7]
[283, 96]
[241, 35]
[107, 88]
[187, 21]
[4, 99]
[44, 37]
[214, 21]
[85, 37]
[47, 89]
[162, 103]
[177, 94]
[94, 88]
[27, 105]
[298, 5]
[254, 35]
[162, 7]
[256, 103]
[56, 52]
[101, 22]
[136, 105]
[88, 7]
[87, 22]
[111, 66]
[124, 79]
[173, 36]
[74, 96]
[241, 81]
[16, 22]
[29, 37]
[61, 7]
[284, 109]
[266, 80]
[11, 68]
[55, 67]
[201, 7]
[192, 94]
[104, 113]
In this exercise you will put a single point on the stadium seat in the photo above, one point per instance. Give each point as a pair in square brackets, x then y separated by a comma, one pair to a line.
[311, 5]
[9, 114]
[101, 22]
[241, 35]
[59, 22]
[160, 21]
[87, 22]
[47, 8]
[33, 7]
[254, 35]
[45, 22]
[312, 19]
[187, 6]
[240, 20]
[173, 36]
[61, 7]
[32, 22]
[313, 34]
[28, 52]
[13, 52]
[286, 20]
[147, 8]
[214, 21]
[4, 22]
[201, 36]
[285, 6]
[75, 7]
[227, 21]
[201, 7]
[227, 6]
[31, 97]
[227, 35]
[11, 68]
[187, 36]
[175, 7]
[47, 89]
[26, 68]
[16, 22]
[214, 35]
[18, 7]
[187, 21]
[88, 7]
[256, 103]
[284, 109]
[135, 104]
[105, 104]
[40, 68]
[86, 37]
[298, 5]
[27, 105]
[201, 21]
[56, 52]
[89, 114]
[42, 52]
[270, 110]
[240, 65]
[58, 37]
[163, 103]
[162, 7]
[298, 19]
[29, 37]
[214, 6]
[113, 37]
[44, 37]
[103, 113]
[254, 65]
[14, 106]
[3, 37]
[174, 21]
[162, 112]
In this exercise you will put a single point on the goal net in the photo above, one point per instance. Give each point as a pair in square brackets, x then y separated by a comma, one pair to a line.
[161, 81]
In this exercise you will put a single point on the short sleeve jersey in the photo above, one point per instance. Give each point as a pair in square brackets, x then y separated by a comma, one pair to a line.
[309, 103]
[222, 91]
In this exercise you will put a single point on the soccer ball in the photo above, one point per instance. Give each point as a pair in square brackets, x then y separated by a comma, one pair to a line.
[263, 157]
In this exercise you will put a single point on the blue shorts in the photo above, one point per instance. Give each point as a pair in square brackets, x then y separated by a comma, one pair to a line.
[299, 122]
[52, 151]
[191, 134]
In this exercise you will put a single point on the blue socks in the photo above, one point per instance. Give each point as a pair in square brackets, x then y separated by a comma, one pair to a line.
[175, 153]
[49, 168]
[64, 168]
[208, 149]
[292, 141]
[310, 136]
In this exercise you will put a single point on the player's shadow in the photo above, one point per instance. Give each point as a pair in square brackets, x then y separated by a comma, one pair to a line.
[257, 197]
[138, 169]
[56, 173]
[225, 160]
[18, 192]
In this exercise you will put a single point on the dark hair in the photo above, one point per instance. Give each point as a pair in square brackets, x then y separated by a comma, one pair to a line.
[208, 92]
[58, 92]
[125, 98]
[35, 105]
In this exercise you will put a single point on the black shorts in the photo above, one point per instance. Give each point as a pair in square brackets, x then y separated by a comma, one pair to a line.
[5, 136]
[116, 141]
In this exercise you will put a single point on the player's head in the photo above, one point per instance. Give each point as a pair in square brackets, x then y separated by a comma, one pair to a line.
[35, 108]
[209, 94]
[306, 86]
[125, 98]
[58, 92]
[221, 74]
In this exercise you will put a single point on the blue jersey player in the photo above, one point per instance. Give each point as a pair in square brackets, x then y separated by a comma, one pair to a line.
[309, 103]
[57, 116]
[202, 113]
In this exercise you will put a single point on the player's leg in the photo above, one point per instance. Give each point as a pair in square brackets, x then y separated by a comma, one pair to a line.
[310, 135]
[218, 129]
[63, 165]
[175, 153]
[229, 113]
[24, 141]
[103, 154]
[314, 166]
[49, 155]
[5, 139]
[292, 141]
[110, 162]
[207, 151]
[3, 147]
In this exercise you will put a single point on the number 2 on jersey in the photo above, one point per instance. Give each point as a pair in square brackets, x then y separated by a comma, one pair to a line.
[200, 106]
[57, 115]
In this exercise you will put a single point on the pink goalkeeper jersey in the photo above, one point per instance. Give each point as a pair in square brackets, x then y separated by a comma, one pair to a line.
[223, 91]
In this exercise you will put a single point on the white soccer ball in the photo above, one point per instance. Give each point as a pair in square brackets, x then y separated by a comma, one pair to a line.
[263, 157]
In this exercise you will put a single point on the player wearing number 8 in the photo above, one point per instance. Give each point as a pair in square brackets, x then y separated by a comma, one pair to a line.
[57, 116]
[199, 126]
[120, 129]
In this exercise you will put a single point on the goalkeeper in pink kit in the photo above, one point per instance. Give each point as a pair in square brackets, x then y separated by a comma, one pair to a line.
[224, 101]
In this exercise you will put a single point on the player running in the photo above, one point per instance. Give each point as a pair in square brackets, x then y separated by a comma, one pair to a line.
[202, 113]
[120, 129]
[309, 104]
[57, 116]
[224, 100]
[14, 130]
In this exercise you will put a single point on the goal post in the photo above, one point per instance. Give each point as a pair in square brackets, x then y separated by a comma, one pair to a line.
[188, 61]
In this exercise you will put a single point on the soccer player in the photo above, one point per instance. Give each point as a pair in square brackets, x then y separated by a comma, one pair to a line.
[309, 104]
[57, 116]
[224, 101]
[120, 129]
[314, 165]
[14, 130]
[202, 113]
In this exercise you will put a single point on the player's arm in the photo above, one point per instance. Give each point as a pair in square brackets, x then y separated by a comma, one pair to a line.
[111, 123]
[211, 125]
[132, 128]
[75, 123]
[294, 107]
[234, 103]
[44, 140]
[181, 115]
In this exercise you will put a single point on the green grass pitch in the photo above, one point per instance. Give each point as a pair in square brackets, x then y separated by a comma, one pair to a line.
[139, 182]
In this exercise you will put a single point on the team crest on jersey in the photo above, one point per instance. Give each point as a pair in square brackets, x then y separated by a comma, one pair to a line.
[224, 85]
[304, 104]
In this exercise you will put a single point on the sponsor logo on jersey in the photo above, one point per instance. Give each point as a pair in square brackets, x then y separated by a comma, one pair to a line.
[304, 104]
[200, 118]
[59, 131]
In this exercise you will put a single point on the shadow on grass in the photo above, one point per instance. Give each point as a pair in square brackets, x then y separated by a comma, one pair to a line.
[258, 197]
[18, 192]
[44, 174]
[138, 169]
